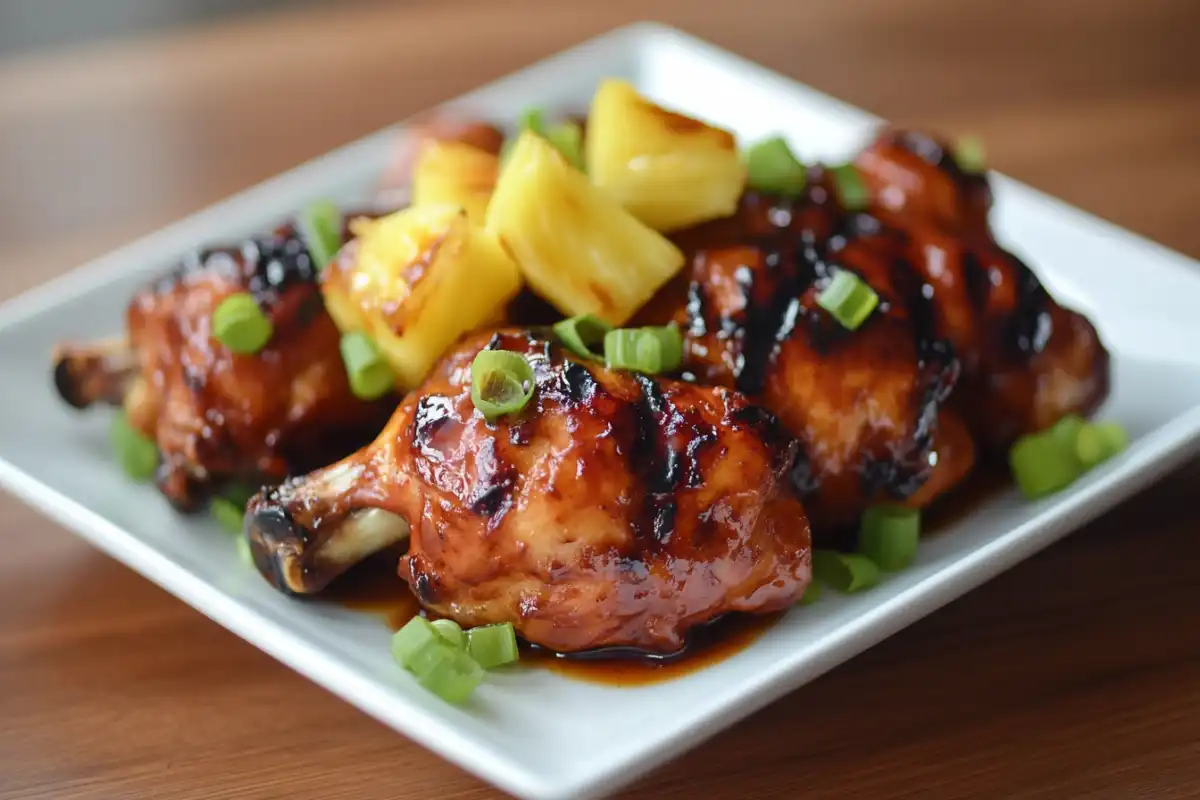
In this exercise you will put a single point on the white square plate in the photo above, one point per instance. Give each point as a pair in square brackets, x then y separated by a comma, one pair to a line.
[534, 733]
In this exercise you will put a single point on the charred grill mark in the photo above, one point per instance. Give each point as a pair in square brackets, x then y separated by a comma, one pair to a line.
[578, 384]
[424, 581]
[1029, 327]
[655, 461]
[697, 310]
[976, 282]
[431, 415]
[700, 443]
[768, 292]
[494, 481]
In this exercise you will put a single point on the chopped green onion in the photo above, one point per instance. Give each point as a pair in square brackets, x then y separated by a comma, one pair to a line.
[1067, 430]
[651, 350]
[242, 545]
[1090, 447]
[493, 645]
[411, 639]
[449, 673]
[502, 382]
[320, 225]
[889, 535]
[567, 138]
[451, 633]
[582, 333]
[228, 513]
[771, 167]
[970, 155]
[812, 593]
[1115, 437]
[532, 119]
[850, 187]
[240, 325]
[845, 572]
[239, 494]
[848, 299]
[137, 455]
[370, 375]
[1042, 464]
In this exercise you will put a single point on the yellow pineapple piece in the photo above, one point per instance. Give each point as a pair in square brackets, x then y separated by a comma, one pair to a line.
[574, 244]
[415, 281]
[669, 170]
[455, 173]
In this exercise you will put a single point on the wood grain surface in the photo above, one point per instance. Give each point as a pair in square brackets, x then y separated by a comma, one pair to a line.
[1076, 675]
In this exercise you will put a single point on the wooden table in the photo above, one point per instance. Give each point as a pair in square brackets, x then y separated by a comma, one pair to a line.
[1075, 675]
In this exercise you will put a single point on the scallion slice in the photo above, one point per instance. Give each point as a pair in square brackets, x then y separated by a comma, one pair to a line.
[851, 190]
[812, 593]
[240, 325]
[493, 645]
[532, 119]
[449, 673]
[1042, 464]
[368, 371]
[1067, 429]
[582, 334]
[1115, 437]
[411, 639]
[502, 382]
[845, 572]
[652, 350]
[451, 632]
[889, 535]
[567, 138]
[771, 167]
[848, 299]
[228, 514]
[970, 155]
[320, 225]
[242, 546]
[137, 455]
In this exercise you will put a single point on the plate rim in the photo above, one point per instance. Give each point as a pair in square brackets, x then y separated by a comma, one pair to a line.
[1152, 456]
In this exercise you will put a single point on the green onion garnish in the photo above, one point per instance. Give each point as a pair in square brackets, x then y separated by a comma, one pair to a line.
[320, 225]
[242, 546]
[532, 119]
[889, 535]
[368, 371]
[850, 187]
[1090, 447]
[448, 672]
[450, 632]
[137, 455]
[493, 645]
[1042, 464]
[652, 350]
[1115, 437]
[228, 513]
[567, 138]
[502, 382]
[771, 167]
[1067, 429]
[240, 325]
[848, 299]
[970, 155]
[411, 639]
[582, 334]
[812, 593]
[845, 572]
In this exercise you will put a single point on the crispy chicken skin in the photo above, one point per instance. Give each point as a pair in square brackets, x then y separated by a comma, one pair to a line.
[1027, 361]
[864, 404]
[218, 417]
[617, 510]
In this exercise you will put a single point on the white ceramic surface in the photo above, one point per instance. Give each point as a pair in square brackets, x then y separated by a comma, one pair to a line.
[533, 733]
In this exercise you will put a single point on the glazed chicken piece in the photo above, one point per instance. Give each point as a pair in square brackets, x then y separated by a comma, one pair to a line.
[217, 417]
[866, 405]
[1027, 361]
[616, 511]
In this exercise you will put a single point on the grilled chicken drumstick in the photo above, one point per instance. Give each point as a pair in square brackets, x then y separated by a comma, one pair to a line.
[216, 416]
[616, 510]
[1027, 361]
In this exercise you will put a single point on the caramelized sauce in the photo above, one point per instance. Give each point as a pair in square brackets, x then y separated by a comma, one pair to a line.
[374, 587]
[985, 482]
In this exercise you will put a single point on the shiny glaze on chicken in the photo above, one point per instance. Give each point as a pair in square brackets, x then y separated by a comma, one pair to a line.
[618, 510]
[1027, 360]
[864, 404]
[218, 417]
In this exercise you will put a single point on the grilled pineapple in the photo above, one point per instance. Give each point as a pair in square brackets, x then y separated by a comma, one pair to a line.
[575, 245]
[455, 173]
[415, 281]
[669, 170]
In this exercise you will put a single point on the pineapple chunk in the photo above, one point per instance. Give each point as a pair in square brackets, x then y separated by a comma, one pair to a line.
[669, 170]
[415, 281]
[574, 244]
[455, 173]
